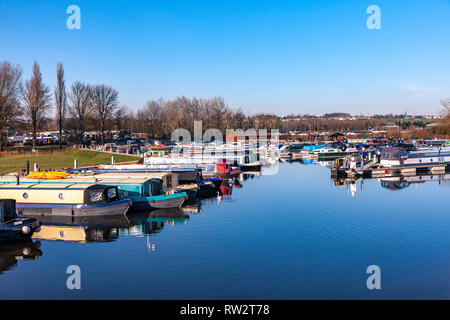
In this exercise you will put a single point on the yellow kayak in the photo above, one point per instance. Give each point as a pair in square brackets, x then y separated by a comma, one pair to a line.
[52, 175]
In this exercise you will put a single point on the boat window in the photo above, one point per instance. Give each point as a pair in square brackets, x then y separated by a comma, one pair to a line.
[156, 188]
[95, 196]
[112, 193]
[146, 189]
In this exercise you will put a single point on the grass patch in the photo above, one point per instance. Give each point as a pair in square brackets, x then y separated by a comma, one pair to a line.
[59, 160]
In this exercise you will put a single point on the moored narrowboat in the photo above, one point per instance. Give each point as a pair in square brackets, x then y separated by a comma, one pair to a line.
[146, 191]
[392, 157]
[65, 199]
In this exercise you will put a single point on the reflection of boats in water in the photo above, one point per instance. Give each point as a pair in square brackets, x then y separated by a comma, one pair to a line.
[249, 175]
[81, 229]
[226, 188]
[154, 221]
[11, 253]
[397, 183]
[394, 183]
[192, 208]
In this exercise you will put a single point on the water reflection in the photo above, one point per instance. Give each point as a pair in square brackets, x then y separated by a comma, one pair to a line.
[315, 235]
[11, 253]
[143, 223]
[81, 229]
[398, 183]
[392, 183]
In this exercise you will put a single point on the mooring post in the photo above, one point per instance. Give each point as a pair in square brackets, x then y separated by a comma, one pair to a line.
[35, 167]
[28, 167]
[75, 164]
[112, 159]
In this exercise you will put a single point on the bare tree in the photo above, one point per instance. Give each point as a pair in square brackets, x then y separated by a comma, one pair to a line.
[79, 107]
[446, 104]
[104, 101]
[446, 113]
[149, 118]
[37, 99]
[10, 88]
[124, 119]
[60, 100]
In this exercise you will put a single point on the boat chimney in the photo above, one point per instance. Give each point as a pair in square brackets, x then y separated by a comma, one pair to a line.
[28, 167]
[17, 179]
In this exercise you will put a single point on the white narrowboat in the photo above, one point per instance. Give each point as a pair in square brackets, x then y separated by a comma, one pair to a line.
[65, 199]
[399, 157]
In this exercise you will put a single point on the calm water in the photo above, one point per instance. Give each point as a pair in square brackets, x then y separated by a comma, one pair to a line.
[293, 235]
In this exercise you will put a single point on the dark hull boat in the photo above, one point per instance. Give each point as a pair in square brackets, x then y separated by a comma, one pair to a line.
[12, 227]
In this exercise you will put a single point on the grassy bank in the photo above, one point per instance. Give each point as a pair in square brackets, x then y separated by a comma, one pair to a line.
[59, 160]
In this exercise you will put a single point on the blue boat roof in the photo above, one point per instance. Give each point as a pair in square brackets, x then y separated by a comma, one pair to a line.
[313, 147]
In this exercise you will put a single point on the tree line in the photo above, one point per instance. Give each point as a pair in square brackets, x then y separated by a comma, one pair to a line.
[31, 101]
[83, 107]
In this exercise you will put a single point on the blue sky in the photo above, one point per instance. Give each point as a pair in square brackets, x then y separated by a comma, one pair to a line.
[263, 56]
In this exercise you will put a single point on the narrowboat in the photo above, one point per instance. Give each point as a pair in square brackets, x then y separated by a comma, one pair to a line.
[12, 226]
[65, 199]
[311, 148]
[180, 180]
[333, 153]
[146, 191]
[391, 157]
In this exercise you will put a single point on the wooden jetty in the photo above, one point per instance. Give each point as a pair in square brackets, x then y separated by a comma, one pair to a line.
[373, 170]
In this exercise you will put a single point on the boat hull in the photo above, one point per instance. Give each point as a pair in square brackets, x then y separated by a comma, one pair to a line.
[333, 155]
[207, 190]
[13, 230]
[160, 202]
[119, 207]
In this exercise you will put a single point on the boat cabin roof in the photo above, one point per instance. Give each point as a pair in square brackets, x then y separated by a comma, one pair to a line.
[94, 179]
[393, 153]
[59, 186]
[132, 175]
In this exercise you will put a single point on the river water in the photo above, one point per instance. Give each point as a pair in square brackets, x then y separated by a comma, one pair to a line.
[290, 235]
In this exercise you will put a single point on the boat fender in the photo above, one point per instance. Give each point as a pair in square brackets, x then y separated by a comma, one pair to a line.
[26, 229]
